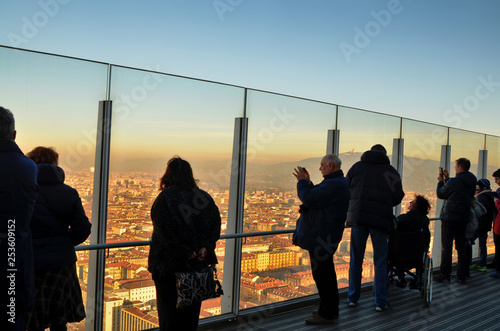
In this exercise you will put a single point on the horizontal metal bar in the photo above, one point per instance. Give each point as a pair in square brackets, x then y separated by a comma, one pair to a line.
[224, 236]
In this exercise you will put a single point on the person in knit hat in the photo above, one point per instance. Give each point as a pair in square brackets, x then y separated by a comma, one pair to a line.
[484, 196]
[496, 227]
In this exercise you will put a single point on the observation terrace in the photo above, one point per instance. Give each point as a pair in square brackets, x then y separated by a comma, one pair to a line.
[115, 128]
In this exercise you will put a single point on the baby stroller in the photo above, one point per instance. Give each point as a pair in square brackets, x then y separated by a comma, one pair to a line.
[408, 251]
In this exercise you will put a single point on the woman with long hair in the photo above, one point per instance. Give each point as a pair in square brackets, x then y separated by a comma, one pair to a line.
[187, 226]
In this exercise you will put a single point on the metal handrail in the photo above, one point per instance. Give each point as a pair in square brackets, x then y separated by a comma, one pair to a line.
[224, 236]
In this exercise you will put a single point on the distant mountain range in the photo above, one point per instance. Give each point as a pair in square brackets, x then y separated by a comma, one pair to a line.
[279, 175]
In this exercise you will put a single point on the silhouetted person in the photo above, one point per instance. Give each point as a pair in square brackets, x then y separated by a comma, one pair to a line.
[457, 193]
[18, 189]
[187, 226]
[59, 224]
[375, 189]
[320, 228]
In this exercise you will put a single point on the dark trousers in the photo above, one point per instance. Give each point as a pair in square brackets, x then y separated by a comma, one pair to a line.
[323, 272]
[171, 318]
[481, 236]
[453, 231]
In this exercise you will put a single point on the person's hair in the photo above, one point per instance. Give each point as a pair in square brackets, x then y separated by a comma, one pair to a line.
[496, 173]
[44, 155]
[422, 204]
[464, 163]
[379, 148]
[178, 173]
[332, 158]
[7, 124]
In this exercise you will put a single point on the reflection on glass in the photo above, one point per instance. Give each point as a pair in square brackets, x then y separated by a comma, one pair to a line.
[422, 154]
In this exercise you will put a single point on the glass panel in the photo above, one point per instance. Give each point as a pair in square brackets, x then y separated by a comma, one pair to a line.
[272, 270]
[129, 291]
[422, 154]
[283, 133]
[154, 118]
[493, 147]
[55, 102]
[465, 144]
[360, 130]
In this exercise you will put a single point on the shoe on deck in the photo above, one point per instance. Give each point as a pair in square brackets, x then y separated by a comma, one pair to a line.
[479, 268]
[318, 320]
[442, 279]
[384, 308]
[495, 274]
[351, 304]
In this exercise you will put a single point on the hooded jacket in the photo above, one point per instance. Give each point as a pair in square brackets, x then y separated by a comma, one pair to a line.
[59, 222]
[323, 213]
[375, 188]
[457, 193]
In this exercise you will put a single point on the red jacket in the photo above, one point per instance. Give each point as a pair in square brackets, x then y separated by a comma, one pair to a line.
[496, 225]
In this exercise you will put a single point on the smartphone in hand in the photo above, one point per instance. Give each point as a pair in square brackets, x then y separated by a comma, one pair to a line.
[441, 173]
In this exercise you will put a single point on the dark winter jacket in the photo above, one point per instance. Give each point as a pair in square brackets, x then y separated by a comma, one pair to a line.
[414, 221]
[323, 213]
[485, 221]
[457, 193]
[18, 189]
[59, 222]
[375, 189]
[184, 221]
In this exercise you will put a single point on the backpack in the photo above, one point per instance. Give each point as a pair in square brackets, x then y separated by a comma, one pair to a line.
[476, 210]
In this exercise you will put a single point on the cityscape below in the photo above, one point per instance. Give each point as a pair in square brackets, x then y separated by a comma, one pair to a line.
[272, 269]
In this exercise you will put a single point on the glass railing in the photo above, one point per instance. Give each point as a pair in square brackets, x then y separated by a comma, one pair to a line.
[243, 145]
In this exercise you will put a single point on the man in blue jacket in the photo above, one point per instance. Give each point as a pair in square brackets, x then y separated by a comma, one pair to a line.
[375, 189]
[319, 230]
[457, 193]
[18, 187]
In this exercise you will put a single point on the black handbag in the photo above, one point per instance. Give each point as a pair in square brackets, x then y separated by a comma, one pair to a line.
[196, 286]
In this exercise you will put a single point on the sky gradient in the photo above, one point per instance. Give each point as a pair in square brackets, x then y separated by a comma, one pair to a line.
[434, 61]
